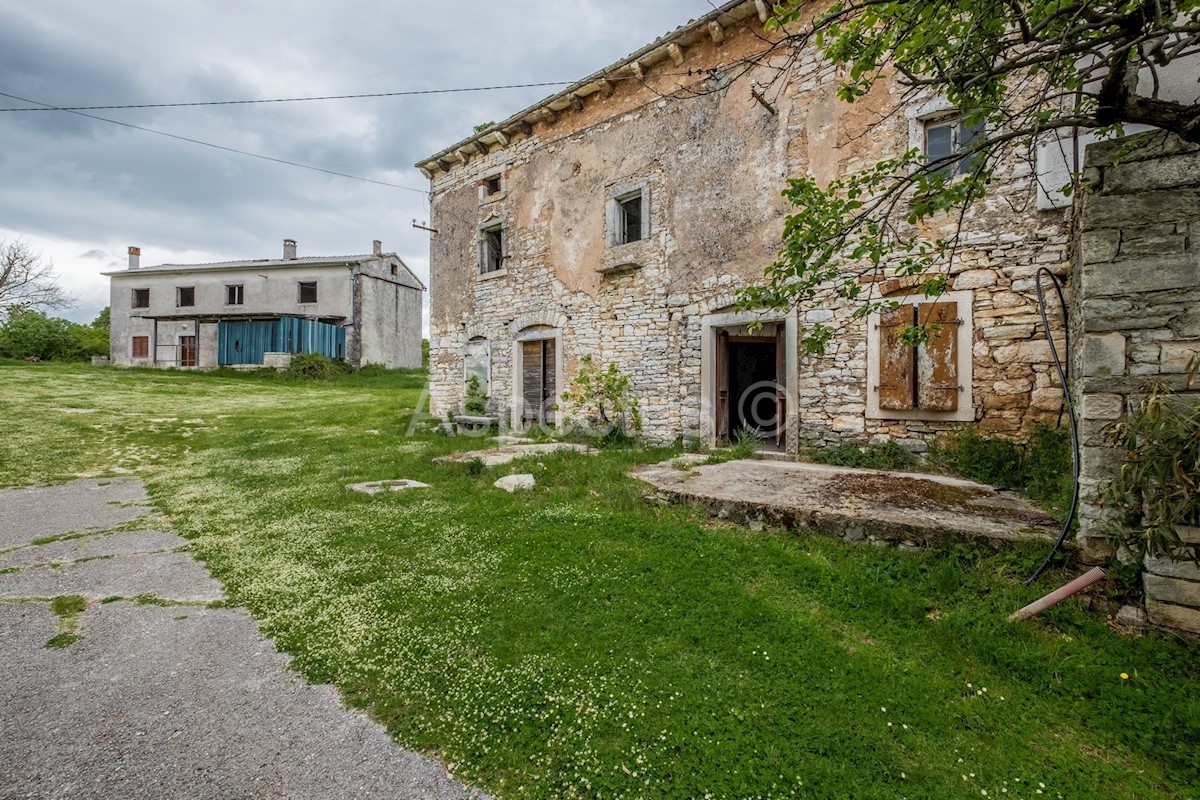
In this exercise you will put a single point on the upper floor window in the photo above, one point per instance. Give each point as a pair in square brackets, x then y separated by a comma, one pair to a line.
[944, 138]
[141, 298]
[185, 296]
[628, 215]
[308, 292]
[491, 248]
[234, 294]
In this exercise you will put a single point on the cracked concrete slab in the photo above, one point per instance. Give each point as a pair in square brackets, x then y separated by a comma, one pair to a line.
[495, 456]
[178, 702]
[174, 703]
[120, 543]
[171, 576]
[855, 504]
[93, 504]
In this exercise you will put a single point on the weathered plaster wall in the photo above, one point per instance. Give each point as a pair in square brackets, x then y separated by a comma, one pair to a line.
[1136, 320]
[715, 165]
[387, 326]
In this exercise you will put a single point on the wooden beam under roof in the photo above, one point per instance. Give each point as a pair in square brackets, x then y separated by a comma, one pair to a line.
[501, 138]
[676, 54]
[549, 115]
[426, 172]
[638, 71]
[576, 103]
[525, 127]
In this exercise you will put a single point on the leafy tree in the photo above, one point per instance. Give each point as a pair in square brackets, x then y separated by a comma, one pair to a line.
[102, 320]
[1017, 70]
[27, 333]
[26, 279]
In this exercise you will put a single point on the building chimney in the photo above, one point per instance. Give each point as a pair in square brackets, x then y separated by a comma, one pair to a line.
[135, 257]
[289, 249]
[377, 247]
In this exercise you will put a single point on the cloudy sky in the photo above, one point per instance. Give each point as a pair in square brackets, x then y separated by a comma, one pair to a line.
[80, 191]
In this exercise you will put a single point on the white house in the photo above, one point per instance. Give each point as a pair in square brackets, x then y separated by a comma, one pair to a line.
[365, 309]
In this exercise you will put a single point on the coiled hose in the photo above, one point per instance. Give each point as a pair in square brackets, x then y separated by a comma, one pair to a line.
[1068, 406]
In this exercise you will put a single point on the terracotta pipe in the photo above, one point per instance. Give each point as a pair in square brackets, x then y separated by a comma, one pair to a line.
[1089, 578]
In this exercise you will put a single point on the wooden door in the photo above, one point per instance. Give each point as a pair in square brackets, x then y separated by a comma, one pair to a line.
[721, 364]
[539, 381]
[187, 351]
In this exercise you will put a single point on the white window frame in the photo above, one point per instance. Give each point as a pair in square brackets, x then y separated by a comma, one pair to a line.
[965, 411]
[240, 293]
[932, 114]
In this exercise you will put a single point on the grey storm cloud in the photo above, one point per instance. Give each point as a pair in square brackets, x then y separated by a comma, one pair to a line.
[99, 186]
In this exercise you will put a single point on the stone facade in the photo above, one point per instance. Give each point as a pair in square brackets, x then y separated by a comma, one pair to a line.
[1136, 319]
[679, 122]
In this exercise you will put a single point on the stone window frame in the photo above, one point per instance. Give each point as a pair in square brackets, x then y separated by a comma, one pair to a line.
[185, 296]
[486, 377]
[483, 250]
[235, 294]
[931, 114]
[139, 298]
[965, 411]
[500, 180]
[614, 221]
[300, 293]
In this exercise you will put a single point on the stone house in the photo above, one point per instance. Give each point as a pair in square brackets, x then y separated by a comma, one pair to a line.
[620, 216]
[365, 309]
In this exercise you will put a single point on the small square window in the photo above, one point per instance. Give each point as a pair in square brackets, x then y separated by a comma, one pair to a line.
[234, 294]
[493, 185]
[395, 270]
[141, 298]
[946, 137]
[308, 291]
[141, 347]
[491, 249]
[185, 296]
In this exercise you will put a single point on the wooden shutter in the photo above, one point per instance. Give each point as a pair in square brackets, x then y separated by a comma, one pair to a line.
[897, 368]
[531, 380]
[937, 363]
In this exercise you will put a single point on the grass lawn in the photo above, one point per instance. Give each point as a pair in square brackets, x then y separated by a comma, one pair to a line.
[577, 641]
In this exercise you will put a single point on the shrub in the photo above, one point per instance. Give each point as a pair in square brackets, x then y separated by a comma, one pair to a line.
[475, 402]
[1158, 486]
[605, 399]
[31, 334]
[887, 455]
[316, 367]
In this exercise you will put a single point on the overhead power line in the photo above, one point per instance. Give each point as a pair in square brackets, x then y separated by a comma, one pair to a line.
[410, 93]
[49, 107]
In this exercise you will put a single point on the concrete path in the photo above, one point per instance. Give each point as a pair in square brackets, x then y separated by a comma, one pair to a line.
[907, 508]
[167, 698]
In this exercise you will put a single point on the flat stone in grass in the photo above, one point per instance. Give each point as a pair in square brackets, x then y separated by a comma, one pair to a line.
[396, 485]
[92, 504]
[171, 576]
[513, 483]
[503, 454]
[101, 544]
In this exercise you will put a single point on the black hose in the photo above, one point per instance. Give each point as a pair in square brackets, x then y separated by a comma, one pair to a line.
[1068, 405]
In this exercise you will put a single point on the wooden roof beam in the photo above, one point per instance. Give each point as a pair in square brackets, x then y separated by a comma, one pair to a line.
[576, 102]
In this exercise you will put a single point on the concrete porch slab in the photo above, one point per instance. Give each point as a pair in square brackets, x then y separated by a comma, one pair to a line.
[854, 504]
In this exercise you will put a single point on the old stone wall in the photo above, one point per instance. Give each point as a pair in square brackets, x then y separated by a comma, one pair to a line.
[1136, 320]
[713, 162]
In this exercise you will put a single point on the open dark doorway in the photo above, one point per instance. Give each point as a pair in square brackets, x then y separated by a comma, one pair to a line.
[750, 391]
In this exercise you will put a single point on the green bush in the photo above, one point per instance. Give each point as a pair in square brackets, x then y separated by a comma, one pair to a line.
[31, 334]
[316, 367]
[888, 455]
[475, 402]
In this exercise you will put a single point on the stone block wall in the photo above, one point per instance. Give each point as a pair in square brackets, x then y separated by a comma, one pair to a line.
[1136, 320]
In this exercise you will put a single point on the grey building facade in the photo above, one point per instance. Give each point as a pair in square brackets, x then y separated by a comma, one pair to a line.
[365, 309]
